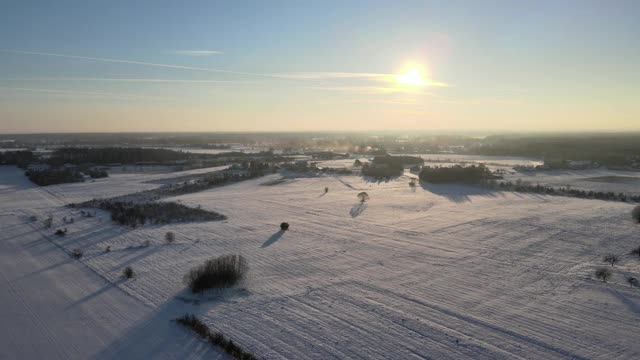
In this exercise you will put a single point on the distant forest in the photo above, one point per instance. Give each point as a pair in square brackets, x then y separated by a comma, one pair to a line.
[606, 149]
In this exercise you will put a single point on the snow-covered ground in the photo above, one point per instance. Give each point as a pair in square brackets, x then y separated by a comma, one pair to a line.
[437, 271]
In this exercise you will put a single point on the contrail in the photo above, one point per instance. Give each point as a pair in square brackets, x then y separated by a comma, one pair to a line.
[87, 93]
[120, 61]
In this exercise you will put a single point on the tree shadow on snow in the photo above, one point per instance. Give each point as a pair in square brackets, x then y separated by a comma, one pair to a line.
[157, 336]
[275, 237]
[358, 209]
[458, 193]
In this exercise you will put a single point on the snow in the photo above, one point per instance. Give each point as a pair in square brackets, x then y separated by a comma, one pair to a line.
[436, 271]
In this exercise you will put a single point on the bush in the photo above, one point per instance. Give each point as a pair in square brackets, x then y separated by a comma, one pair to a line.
[128, 272]
[76, 253]
[635, 213]
[215, 338]
[632, 281]
[169, 237]
[611, 259]
[222, 272]
[284, 226]
[363, 196]
[60, 232]
[603, 274]
[108, 249]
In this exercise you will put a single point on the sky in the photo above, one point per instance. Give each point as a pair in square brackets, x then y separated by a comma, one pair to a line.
[156, 65]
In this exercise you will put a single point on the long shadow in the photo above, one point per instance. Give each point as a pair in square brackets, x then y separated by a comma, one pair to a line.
[458, 193]
[108, 286]
[632, 305]
[358, 209]
[45, 269]
[275, 237]
[157, 336]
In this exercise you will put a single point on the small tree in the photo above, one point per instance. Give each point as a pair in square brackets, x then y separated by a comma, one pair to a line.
[128, 272]
[632, 281]
[611, 259]
[357, 163]
[412, 183]
[635, 213]
[603, 274]
[363, 196]
[284, 226]
[326, 190]
[48, 222]
[169, 237]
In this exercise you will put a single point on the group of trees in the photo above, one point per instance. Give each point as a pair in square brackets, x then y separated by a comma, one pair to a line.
[134, 214]
[456, 174]
[109, 155]
[388, 165]
[55, 176]
[19, 158]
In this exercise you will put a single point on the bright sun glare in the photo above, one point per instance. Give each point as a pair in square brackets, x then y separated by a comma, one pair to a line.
[411, 77]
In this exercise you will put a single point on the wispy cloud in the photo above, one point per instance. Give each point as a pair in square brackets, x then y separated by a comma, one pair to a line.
[188, 81]
[333, 75]
[134, 62]
[86, 93]
[198, 52]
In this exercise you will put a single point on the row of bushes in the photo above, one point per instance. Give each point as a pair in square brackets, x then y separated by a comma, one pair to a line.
[215, 338]
[584, 194]
[134, 214]
[456, 174]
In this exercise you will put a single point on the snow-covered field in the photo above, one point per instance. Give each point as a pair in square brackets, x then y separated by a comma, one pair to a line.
[442, 272]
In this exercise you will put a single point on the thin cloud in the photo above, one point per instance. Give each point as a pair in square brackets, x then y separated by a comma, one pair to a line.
[198, 52]
[132, 80]
[86, 93]
[134, 62]
[302, 76]
[333, 75]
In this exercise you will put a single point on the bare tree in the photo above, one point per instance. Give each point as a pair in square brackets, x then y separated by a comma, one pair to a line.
[611, 259]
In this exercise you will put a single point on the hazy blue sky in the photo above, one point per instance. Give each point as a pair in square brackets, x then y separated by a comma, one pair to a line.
[321, 65]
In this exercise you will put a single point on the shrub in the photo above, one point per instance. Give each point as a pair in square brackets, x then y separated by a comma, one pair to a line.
[603, 274]
[128, 272]
[635, 213]
[222, 272]
[284, 226]
[60, 232]
[632, 281]
[76, 253]
[215, 338]
[412, 183]
[108, 249]
[169, 237]
[48, 222]
[363, 196]
[611, 259]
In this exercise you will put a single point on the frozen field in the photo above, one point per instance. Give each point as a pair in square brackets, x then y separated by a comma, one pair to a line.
[442, 272]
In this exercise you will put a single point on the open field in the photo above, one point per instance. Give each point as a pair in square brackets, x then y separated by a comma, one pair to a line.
[437, 271]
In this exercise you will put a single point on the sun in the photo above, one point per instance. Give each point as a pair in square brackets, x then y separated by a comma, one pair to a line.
[411, 77]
